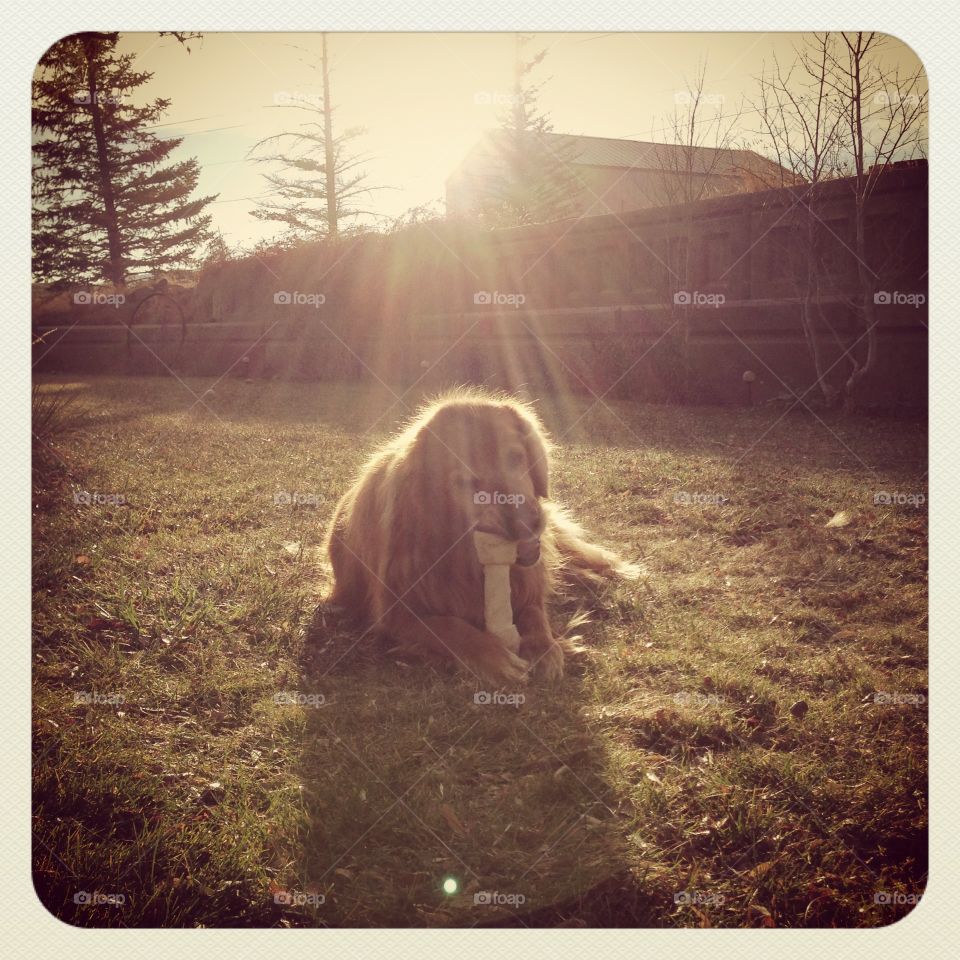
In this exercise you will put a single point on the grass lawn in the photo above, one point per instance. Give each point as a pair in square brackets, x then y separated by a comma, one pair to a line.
[741, 741]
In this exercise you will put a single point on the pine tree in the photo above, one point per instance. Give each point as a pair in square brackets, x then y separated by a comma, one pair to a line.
[536, 182]
[319, 180]
[217, 250]
[107, 201]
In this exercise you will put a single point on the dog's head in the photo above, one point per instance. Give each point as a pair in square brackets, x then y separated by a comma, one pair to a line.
[487, 459]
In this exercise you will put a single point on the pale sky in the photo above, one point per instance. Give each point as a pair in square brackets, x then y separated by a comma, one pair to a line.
[423, 98]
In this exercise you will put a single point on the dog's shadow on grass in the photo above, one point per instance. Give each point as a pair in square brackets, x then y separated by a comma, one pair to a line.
[435, 799]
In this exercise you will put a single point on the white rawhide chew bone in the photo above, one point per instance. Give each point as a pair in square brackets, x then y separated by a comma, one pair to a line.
[497, 555]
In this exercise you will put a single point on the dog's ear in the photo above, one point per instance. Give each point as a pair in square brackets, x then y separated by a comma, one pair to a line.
[538, 453]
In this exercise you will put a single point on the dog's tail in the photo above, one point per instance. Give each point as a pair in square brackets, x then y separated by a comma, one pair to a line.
[583, 562]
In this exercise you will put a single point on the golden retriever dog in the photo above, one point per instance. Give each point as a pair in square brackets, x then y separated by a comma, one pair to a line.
[401, 545]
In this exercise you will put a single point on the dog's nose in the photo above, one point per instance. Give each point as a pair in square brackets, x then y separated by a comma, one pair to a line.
[526, 521]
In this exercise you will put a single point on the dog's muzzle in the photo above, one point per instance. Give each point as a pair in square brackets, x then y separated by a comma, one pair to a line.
[528, 552]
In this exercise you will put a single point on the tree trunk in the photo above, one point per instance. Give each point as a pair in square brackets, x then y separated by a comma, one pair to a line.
[865, 285]
[810, 301]
[115, 269]
[329, 158]
[868, 311]
[685, 313]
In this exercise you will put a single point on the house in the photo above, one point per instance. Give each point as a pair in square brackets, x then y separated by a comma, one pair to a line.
[616, 176]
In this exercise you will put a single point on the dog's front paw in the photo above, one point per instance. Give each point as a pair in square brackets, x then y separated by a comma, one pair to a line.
[546, 662]
[501, 665]
[514, 669]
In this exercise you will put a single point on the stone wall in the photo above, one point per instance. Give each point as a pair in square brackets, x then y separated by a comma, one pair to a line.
[654, 304]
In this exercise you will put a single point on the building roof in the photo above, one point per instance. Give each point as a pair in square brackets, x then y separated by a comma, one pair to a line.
[644, 154]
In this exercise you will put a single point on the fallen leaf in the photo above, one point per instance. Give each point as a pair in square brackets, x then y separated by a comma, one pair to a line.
[766, 917]
[213, 794]
[452, 819]
[760, 870]
[704, 919]
[840, 519]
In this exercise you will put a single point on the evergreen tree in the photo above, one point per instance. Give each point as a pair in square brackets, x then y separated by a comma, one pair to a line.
[536, 180]
[108, 202]
[319, 181]
[217, 250]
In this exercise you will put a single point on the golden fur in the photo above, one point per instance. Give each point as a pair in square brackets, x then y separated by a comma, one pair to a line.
[401, 546]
